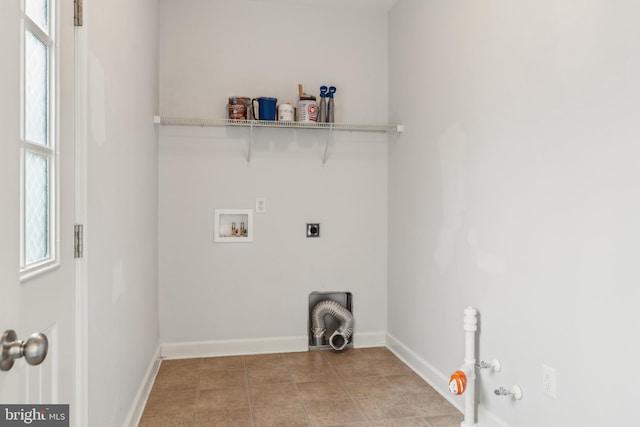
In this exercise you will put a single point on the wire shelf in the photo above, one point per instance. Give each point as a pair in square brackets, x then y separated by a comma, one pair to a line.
[180, 121]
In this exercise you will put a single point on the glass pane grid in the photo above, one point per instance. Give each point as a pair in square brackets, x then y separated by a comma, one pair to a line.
[39, 158]
[36, 198]
[36, 89]
[38, 12]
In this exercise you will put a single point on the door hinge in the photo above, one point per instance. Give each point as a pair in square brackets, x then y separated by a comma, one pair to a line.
[77, 13]
[77, 241]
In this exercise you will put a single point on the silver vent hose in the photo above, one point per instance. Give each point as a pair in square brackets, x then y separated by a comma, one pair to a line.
[340, 338]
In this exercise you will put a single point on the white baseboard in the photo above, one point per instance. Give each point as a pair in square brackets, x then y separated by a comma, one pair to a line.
[187, 350]
[439, 381]
[137, 408]
[428, 372]
[369, 339]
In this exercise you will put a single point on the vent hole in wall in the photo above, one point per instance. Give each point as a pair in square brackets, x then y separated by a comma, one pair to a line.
[331, 322]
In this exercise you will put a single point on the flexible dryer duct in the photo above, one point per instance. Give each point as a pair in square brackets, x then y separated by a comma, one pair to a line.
[340, 338]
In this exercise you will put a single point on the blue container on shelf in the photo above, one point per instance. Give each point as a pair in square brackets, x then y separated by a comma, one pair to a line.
[266, 108]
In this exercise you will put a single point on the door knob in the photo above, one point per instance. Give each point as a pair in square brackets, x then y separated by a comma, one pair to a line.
[34, 350]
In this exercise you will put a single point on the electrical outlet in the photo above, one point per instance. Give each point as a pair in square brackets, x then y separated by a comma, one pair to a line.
[549, 381]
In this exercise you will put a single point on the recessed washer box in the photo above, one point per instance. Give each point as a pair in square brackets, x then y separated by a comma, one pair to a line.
[233, 225]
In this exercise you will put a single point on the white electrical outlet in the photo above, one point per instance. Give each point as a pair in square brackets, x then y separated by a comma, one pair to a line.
[261, 205]
[549, 381]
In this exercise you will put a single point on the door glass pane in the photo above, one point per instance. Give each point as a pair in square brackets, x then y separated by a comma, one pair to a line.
[36, 89]
[36, 207]
[38, 11]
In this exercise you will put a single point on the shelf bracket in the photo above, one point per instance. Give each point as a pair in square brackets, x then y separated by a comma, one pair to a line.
[326, 145]
[250, 144]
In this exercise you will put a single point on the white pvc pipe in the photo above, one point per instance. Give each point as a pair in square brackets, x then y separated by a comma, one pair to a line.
[469, 367]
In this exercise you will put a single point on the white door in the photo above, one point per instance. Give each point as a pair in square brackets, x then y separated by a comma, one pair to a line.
[38, 285]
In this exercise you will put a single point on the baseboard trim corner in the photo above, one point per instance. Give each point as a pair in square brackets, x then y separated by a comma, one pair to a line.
[137, 407]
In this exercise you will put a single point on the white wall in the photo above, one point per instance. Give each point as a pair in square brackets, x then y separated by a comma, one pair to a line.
[122, 224]
[518, 174]
[210, 50]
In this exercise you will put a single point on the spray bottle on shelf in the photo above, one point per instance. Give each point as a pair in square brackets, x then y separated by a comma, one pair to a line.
[322, 109]
[331, 107]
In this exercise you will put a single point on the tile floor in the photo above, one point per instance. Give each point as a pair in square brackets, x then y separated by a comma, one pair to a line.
[357, 387]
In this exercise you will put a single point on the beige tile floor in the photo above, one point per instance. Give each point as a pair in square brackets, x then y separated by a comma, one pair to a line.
[357, 387]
